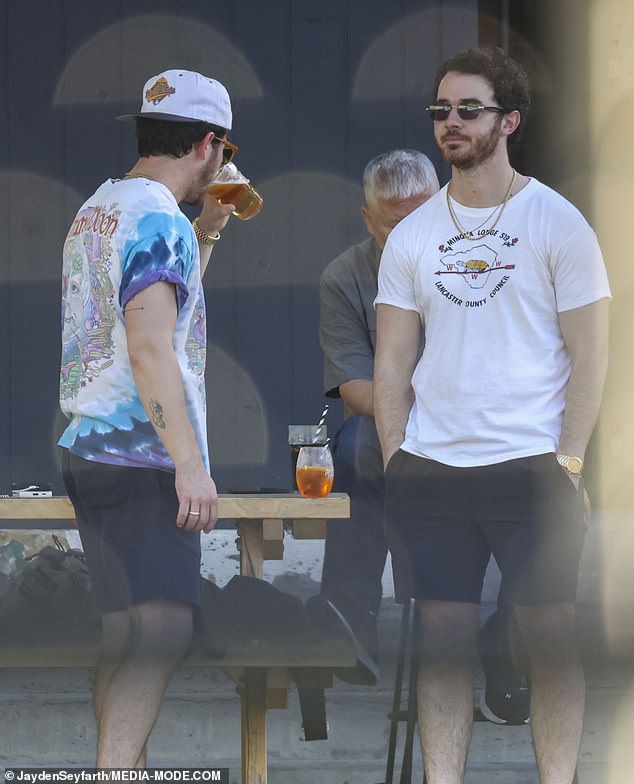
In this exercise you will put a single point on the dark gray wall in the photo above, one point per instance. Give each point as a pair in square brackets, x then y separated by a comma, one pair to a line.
[318, 89]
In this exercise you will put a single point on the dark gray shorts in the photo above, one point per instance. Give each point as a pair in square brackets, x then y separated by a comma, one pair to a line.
[449, 520]
[134, 550]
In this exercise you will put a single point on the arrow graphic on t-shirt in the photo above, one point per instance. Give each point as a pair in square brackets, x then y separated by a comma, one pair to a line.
[474, 271]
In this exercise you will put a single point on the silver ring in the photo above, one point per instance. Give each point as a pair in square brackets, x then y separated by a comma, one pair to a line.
[194, 514]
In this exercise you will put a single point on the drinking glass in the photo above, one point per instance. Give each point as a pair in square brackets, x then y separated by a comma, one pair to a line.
[304, 435]
[230, 186]
[315, 472]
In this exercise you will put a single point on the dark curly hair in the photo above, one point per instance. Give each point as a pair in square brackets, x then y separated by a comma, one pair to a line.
[168, 137]
[506, 76]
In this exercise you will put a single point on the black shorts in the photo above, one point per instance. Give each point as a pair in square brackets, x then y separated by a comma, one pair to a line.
[449, 520]
[134, 550]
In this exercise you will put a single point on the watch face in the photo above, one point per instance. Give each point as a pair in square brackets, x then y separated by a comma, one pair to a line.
[575, 464]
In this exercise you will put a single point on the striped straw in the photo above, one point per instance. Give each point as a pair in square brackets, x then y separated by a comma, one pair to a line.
[323, 419]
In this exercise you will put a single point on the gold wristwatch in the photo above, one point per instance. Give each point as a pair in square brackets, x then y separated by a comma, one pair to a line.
[202, 236]
[571, 463]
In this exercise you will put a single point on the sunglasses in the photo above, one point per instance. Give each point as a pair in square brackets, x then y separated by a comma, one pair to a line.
[466, 111]
[229, 150]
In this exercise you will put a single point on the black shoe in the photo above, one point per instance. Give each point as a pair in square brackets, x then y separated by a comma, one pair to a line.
[328, 623]
[505, 700]
[506, 696]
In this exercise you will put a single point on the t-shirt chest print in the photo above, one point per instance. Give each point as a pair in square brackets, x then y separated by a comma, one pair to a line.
[475, 274]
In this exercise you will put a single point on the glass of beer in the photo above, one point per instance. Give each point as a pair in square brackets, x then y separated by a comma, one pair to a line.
[230, 186]
[315, 472]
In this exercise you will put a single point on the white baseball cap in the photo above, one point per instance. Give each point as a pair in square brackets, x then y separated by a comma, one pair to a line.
[180, 95]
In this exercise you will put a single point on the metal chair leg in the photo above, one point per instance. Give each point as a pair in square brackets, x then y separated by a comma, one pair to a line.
[412, 700]
[407, 657]
[397, 715]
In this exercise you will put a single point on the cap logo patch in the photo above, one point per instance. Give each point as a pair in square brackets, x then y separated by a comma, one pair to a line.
[160, 90]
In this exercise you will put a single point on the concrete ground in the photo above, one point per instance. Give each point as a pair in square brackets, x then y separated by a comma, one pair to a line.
[46, 720]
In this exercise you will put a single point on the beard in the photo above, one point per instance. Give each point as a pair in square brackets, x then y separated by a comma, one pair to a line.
[481, 149]
[199, 186]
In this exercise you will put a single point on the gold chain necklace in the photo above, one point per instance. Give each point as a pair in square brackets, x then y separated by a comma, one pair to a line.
[468, 235]
[132, 175]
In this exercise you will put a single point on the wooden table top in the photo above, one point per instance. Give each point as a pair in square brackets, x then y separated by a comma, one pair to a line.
[250, 506]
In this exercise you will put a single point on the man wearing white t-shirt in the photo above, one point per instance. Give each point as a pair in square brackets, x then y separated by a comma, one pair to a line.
[484, 437]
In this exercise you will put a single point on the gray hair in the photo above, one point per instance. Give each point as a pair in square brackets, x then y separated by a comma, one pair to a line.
[399, 174]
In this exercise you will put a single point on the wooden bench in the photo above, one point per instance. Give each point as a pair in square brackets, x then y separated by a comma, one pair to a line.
[262, 672]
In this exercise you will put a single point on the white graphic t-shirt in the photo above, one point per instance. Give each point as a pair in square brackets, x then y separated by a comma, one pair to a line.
[128, 235]
[491, 382]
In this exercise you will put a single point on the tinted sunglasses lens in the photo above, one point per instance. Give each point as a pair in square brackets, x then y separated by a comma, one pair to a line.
[438, 113]
[469, 112]
[465, 112]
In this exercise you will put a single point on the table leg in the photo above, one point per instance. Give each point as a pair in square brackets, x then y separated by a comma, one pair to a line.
[253, 706]
[251, 548]
[253, 695]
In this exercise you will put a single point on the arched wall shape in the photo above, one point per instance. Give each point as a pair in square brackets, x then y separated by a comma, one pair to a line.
[307, 219]
[402, 61]
[39, 210]
[141, 46]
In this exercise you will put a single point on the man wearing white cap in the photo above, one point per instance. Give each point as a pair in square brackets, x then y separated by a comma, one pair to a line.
[135, 456]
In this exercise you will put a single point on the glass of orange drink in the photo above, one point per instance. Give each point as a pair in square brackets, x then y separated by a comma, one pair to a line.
[315, 472]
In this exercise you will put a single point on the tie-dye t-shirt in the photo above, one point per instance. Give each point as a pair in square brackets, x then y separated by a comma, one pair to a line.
[128, 235]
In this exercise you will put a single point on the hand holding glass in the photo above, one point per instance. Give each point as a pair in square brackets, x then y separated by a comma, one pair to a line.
[315, 472]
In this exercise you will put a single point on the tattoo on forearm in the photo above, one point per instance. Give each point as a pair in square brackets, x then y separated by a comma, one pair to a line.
[158, 415]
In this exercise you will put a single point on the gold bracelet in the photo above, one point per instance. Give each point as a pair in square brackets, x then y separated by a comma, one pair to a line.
[202, 236]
